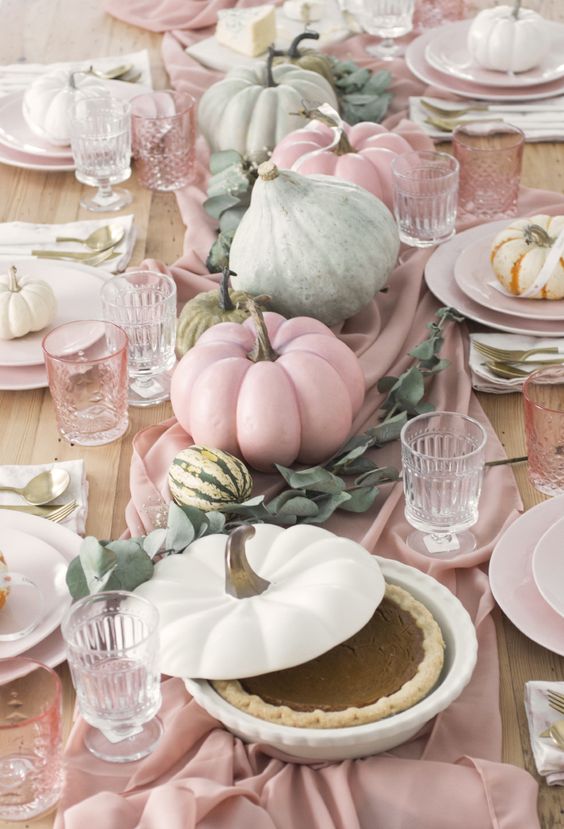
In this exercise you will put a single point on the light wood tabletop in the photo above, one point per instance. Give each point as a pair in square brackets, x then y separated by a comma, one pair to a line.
[54, 30]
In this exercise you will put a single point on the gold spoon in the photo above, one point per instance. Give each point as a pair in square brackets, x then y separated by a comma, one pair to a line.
[42, 488]
[555, 732]
[107, 236]
[111, 74]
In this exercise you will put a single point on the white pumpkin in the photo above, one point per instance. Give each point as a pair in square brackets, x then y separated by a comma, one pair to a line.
[519, 252]
[47, 103]
[254, 107]
[317, 245]
[508, 39]
[26, 305]
[314, 591]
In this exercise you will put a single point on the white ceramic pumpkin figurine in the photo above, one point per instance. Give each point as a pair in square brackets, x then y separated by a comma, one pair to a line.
[26, 305]
[254, 107]
[47, 102]
[519, 252]
[508, 39]
[317, 245]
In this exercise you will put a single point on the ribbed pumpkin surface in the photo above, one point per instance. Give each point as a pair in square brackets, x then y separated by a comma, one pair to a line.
[208, 478]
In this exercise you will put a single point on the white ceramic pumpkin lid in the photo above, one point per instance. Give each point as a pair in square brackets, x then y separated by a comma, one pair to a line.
[263, 599]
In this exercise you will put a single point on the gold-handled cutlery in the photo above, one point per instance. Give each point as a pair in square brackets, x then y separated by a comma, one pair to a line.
[511, 354]
[56, 513]
[107, 236]
[86, 258]
[481, 106]
[42, 488]
[113, 73]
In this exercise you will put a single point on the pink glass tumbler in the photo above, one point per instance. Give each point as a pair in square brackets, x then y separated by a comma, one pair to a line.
[543, 398]
[164, 139]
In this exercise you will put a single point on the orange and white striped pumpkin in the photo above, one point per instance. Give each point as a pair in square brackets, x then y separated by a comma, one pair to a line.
[4, 591]
[519, 252]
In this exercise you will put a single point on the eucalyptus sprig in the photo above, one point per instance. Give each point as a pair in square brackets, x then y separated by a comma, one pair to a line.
[363, 95]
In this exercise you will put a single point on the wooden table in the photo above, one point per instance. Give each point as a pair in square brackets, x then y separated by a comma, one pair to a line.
[50, 30]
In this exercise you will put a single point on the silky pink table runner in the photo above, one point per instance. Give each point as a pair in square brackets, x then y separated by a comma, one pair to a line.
[201, 775]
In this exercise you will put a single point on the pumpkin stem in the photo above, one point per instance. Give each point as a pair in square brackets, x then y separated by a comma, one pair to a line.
[268, 171]
[329, 116]
[293, 51]
[225, 301]
[262, 349]
[14, 286]
[241, 581]
[272, 53]
[537, 235]
[517, 9]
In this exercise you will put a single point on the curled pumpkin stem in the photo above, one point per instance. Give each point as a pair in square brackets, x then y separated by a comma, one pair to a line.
[262, 349]
[225, 301]
[331, 118]
[537, 235]
[241, 581]
[14, 285]
[293, 52]
[272, 53]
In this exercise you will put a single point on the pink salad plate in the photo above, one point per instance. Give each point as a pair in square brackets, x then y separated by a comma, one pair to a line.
[22, 378]
[548, 566]
[15, 132]
[512, 581]
[439, 275]
[51, 649]
[474, 276]
[417, 62]
[77, 291]
[447, 52]
[26, 161]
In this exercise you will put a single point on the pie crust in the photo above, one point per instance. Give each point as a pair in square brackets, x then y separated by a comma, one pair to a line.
[411, 692]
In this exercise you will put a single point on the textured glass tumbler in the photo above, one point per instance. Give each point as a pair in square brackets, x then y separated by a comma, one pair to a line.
[387, 19]
[443, 455]
[163, 126]
[490, 157]
[543, 398]
[112, 641]
[432, 13]
[87, 371]
[425, 197]
[101, 149]
[31, 745]
[143, 303]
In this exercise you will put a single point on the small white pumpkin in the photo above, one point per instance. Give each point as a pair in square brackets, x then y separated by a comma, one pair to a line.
[219, 619]
[508, 39]
[26, 305]
[254, 107]
[48, 101]
[317, 245]
[519, 252]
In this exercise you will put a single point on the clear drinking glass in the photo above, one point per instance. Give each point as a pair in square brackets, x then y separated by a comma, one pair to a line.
[490, 156]
[143, 303]
[543, 398]
[163, 137]
[31, 739]
[87, 371]
[425, 196]
[112, 641]
[101, 149]
[443, 455]
[387, 19]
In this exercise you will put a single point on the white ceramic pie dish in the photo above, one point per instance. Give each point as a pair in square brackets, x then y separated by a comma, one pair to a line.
[372, 738]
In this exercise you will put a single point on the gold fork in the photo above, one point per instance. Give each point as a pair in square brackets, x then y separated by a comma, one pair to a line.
[71, 256]
[449, 124]
[51, 513]
[453, 113]
[505, 370]
[509, 354]
[556, 701]
[62, 512]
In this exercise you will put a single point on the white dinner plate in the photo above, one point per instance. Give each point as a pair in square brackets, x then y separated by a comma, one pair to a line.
[421, 68]
[51, 649]
[447, 52]
[512, 581]
[77, 290]
[475, 277]
[439, 275]
[46, 567]
[548, 566]
[15, 158]
[15, 132]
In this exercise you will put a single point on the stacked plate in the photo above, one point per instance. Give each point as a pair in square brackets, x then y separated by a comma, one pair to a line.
[40, 550]
[20, 147]
[440, 57]
[527, 574]
[77, 291]
[459, 273]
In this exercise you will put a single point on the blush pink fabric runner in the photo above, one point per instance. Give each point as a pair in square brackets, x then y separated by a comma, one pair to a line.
[201, 775]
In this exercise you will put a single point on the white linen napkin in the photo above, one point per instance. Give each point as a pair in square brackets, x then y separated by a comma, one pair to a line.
[545, 125]
[18, 239]
[484, 380]
[19, 475]
[549, 759]
[16, 77]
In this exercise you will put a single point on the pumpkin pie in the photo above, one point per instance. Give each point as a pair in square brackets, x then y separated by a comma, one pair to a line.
[386, 667]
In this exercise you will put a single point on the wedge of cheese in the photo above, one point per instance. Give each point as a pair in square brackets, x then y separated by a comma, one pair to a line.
[248, 31]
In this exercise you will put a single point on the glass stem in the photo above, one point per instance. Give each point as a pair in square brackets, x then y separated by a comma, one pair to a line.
[105, 192]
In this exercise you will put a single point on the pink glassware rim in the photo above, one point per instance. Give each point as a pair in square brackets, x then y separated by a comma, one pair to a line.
[428, 416]
[138, 272]
[499, 127]
[94, 360]
[451, 170]
[96, 597]
[175, 93]
[55, 701]
[529, 381]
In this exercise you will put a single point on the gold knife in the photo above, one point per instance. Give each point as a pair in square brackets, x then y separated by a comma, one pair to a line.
[42, 511]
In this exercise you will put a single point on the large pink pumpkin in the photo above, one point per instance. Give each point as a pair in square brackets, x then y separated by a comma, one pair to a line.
[295, 404]
[363, 154]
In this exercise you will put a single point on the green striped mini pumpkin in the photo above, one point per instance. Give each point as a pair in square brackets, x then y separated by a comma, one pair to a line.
[208, 478]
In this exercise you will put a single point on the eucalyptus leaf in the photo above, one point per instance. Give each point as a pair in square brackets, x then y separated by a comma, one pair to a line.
[360, 499]
[410, 388]
[76, 580]
[230, 219]
[97, 563]
[316, 478]
[386, 383]
[292, 502]
[357, 466]
[216, 205]
[153, 542]
[197, 518]
[326, 505]
[215, 522]
[389, 430]
[133, 568]
[423, 351]
[383, 475]
[223, 159]
[179, 531]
